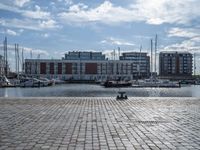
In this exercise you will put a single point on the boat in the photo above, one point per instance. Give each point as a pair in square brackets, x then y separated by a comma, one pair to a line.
[154, 82]
[4, 82]
[117, 84]
[58, 81]
[33, 82]
[47, 82]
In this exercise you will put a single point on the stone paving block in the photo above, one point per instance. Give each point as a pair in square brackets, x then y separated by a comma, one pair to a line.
[99, 123]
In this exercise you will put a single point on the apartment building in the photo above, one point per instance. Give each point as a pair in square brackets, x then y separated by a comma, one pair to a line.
[175, 64]
[89, 66]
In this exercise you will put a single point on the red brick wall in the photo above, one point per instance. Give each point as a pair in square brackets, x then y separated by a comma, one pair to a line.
[43, 68]
[91, 68]
[59, 68]
[51, 68]
[68, 68]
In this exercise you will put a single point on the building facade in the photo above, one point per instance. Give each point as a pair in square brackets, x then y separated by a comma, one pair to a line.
[141, 63]
[76, 55]
[72, 68]
[175, 64]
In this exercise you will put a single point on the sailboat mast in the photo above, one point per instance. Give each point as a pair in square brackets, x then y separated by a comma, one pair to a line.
[22, 60]
[5, 57]
[194, 65]
[140, 59]
[151, 56]
[17, 59]
[155, 53]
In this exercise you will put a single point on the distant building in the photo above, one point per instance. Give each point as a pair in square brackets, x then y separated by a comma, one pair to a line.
[76, 55]
[140, 63]
[89, 66]
[175, 64]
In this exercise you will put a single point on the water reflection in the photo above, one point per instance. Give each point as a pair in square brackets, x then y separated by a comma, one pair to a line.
[92, 90]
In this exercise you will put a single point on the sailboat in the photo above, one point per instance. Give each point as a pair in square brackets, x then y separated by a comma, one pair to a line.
[4, 82]
[153, 81]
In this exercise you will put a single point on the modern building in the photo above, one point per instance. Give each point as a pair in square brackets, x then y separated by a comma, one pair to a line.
[175, 64]
[89, 66]
[78, 55]
[140, 63]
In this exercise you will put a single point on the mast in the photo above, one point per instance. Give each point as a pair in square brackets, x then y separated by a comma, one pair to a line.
[18, 61]
[31, 54]
[140, 59]
[151, 56]
[119, 51]
[194, 65]
[155, 53]
[22, 60]
[5, 57]
[16, 58]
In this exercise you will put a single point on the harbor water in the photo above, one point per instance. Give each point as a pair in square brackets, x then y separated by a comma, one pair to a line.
[94, 90]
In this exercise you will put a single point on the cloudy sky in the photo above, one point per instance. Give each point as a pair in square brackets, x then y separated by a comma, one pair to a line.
[51, 28]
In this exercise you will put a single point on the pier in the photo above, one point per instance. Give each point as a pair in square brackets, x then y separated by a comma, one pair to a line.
[99, 123]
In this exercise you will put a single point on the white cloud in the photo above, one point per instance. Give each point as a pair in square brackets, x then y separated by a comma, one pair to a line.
[192, 44]
[68, 2]
[37, 14]
[114, 41]
[184, 32]
[27, 50]
[30, 24]
[45, 35]
[151, 12]
[167, 11]
[48, 24]
[186, 45]
[105, 13]
[11, 32]
[21, 3]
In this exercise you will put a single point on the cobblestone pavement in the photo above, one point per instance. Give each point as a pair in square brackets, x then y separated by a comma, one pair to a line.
[99, 123]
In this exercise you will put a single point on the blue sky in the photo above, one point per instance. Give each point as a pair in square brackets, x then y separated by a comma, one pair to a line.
[51, 28]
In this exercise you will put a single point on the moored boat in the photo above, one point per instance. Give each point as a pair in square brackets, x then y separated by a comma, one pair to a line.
[117, 84]
[154, 82]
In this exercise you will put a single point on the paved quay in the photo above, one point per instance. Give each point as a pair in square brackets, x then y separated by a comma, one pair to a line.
[99, 123]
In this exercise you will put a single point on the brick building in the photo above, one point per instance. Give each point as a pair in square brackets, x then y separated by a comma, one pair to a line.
[175, 64]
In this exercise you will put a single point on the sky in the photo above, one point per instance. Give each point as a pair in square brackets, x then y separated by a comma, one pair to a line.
[51, 28]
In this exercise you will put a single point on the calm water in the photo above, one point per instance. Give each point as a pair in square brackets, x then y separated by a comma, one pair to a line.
[92, 90]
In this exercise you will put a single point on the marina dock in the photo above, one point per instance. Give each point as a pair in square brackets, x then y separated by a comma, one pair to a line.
[99, 123]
